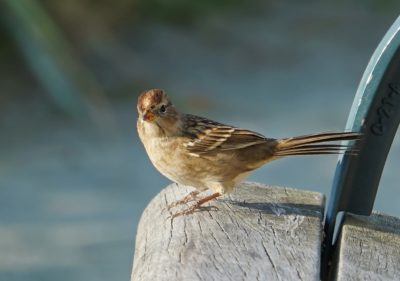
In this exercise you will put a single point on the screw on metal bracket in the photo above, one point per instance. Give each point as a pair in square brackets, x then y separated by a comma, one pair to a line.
[376, 114]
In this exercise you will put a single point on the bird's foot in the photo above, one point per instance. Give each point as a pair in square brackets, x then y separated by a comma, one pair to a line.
[196, 206]
[189, 197]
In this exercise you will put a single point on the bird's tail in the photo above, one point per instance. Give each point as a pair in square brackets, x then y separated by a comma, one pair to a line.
[316, 144]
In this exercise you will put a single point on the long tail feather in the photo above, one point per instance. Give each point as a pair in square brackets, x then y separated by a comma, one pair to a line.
[316, 144]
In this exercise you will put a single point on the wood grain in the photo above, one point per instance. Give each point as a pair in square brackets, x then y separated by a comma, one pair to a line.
[258, 232]
[369, 248]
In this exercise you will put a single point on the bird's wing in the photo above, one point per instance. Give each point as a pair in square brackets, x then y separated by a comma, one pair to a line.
[205, 136]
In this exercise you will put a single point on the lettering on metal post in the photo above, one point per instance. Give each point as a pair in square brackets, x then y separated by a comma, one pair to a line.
[386, 110]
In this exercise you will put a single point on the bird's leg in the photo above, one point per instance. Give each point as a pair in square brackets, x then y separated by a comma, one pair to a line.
[189, 197]
[196, 206]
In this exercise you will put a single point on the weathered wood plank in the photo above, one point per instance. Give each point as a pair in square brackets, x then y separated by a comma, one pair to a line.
[369, 248]
[258, 233]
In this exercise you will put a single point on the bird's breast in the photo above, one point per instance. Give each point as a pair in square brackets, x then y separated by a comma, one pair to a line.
[171, 159]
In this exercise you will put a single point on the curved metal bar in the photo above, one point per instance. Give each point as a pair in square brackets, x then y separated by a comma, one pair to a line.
[376, 114]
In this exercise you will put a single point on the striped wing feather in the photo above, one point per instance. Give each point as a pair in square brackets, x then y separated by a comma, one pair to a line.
[206, 136]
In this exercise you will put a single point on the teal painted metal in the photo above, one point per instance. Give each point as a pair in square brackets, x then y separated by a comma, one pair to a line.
[376, 114]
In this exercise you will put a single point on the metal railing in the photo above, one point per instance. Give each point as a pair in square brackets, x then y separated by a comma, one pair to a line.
[376, 114]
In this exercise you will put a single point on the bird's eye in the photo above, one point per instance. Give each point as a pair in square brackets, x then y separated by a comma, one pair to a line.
[163, 109]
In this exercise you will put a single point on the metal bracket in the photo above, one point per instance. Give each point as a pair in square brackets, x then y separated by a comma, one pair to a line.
[376, 114]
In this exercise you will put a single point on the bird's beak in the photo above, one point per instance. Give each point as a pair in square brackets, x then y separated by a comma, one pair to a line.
[149, 116]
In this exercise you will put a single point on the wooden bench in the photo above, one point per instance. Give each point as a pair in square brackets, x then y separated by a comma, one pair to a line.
[260, 232]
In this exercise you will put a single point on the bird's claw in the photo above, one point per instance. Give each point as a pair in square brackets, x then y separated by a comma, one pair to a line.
[189, 197]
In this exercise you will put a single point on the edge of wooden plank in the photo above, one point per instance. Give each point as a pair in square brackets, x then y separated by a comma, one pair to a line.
[257, 231]
[368, 248]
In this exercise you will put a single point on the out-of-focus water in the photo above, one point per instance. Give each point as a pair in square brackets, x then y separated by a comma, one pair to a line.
[71, 197]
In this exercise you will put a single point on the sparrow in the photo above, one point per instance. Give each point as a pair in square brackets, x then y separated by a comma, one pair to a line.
[207, 155]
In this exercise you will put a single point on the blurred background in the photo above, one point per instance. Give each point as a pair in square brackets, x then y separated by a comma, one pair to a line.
[74, 177]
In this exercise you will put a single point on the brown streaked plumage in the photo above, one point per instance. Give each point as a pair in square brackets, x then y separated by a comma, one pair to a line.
[209, 155]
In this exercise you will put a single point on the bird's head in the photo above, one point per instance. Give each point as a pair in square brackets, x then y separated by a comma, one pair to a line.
[154, 104]
[155, 108]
